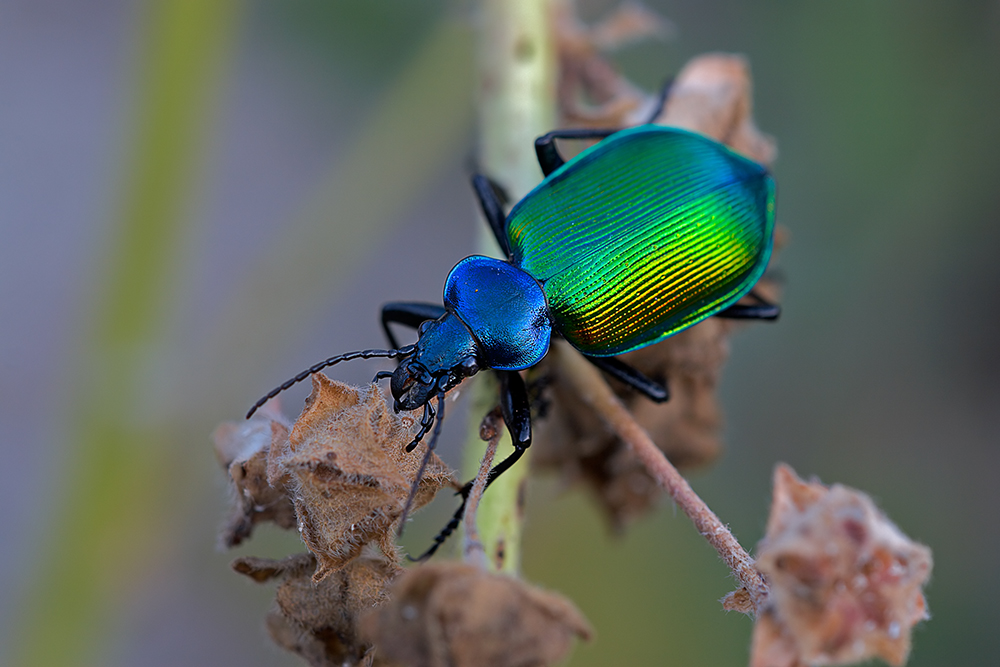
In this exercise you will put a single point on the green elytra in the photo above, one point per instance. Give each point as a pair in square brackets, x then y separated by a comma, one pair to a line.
[642, 235]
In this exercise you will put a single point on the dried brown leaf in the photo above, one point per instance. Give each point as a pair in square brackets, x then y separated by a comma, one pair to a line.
[713, 95]
[628, 23]
[845, 583]
[457, 615]
[319, 622]
[242, 449]
[351, 474]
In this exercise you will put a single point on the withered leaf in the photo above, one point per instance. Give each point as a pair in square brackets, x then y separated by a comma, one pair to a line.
[845, 583]
[319, 622]
[346, 461]
[457, 615]
[242, 449]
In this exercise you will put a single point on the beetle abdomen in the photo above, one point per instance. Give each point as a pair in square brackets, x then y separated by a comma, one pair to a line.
[644, 234]
[504, 309]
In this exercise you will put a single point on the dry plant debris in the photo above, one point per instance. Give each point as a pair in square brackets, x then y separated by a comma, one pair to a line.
[845, 583]
[711, 95]
[457, 615]
[319, 622]
[350, 473]
[591, 92]
[242, 449]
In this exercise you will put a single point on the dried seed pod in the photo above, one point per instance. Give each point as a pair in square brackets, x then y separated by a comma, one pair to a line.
[319, 621]
[242, 449]
[845, 583]
[346, 461]
[457, 615]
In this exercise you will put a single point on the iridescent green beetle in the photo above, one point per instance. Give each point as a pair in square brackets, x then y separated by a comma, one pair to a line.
[636, 238]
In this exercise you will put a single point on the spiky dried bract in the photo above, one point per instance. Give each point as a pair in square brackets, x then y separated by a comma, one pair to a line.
[457, 615]
[242, 449]
[845, 583]
[320, 621]
[350, 472]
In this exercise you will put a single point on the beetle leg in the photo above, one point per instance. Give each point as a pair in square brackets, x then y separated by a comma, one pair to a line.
[516, 411]
[762, 310]
[381, 375]
[423, 464]
[408, 314]
[425, 425]
[549, 158]
[492, 199]
[661, 101]
[634, 378]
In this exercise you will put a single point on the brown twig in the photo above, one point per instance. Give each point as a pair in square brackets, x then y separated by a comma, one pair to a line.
[472, 550]
[595, 392]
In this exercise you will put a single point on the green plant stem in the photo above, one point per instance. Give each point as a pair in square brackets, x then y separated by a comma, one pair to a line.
[516, 102]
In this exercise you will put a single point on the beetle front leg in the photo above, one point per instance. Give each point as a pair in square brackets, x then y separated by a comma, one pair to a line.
[516, 411]
[409, 314]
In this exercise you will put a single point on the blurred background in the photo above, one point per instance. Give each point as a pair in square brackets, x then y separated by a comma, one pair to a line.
[198, 199]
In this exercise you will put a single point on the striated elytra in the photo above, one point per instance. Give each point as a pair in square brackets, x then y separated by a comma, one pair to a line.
[638, 237]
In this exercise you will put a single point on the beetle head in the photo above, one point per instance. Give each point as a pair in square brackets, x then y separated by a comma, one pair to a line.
[413, 385]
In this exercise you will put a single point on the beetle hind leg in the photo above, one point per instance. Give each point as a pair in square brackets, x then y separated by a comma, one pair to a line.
[619, 370]
[761, 310]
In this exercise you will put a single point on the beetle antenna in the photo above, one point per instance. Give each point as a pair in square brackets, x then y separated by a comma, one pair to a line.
[349, 356]
[439, 419]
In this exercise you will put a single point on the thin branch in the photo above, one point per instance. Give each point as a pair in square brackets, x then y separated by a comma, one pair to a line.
[472, 550]
[595, 392]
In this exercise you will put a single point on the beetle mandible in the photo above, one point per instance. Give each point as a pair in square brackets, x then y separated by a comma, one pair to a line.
[638, 237]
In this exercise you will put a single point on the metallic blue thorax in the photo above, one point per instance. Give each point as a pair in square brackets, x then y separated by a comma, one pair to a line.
[504, 309]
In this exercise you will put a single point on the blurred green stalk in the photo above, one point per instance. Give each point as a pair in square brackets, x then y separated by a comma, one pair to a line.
[516, 102]
[117, 473]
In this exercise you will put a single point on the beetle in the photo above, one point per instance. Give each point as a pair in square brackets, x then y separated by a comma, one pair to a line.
[642, 235]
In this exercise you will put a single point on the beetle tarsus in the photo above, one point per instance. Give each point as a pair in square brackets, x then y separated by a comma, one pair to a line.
[425, 425]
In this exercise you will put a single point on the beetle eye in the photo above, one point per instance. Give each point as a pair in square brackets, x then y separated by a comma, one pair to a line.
[424, 326]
